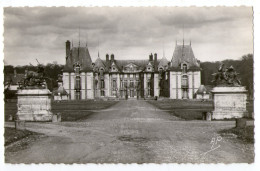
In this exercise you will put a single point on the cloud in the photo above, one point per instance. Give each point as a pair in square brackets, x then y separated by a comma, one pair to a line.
[216, 33]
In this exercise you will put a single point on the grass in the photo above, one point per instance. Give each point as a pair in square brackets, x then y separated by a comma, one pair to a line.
[10, 109]
[70, 110]
[79, 110]
[12, 135]
[185, 109]
[183, 104]
[189, 109]
[245, 134]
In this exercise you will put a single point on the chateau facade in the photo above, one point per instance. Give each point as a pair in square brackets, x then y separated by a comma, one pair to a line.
[179, 78]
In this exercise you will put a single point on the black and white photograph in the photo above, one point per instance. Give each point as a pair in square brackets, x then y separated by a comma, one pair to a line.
[128, 85]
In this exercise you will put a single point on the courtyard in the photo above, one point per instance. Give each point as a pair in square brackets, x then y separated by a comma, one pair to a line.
[131, 131]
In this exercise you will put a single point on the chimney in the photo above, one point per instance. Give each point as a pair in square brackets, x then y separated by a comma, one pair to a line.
[112, 57]
[15, 72]
[107, 57]
[155, 57]
[155, 61]
[67, 48]
[151, 57]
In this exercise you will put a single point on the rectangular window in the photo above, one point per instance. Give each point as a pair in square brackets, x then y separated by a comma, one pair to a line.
[77, 95]
[125, 83]
[77, 69]
[131, 83]
[121, 84]
[102, 84]
[102, 93]
[136, 83]
[77, 85]
[114, 84]
[149, 84]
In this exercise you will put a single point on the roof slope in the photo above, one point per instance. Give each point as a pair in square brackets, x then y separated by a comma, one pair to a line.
[184, 53]
[80, 55]
[99, 63]
[163, 62]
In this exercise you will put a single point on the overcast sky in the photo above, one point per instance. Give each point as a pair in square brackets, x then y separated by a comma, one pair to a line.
[130, 33]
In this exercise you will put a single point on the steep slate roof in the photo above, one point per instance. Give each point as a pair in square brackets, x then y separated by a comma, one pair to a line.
[163, 62]
[121, 63]
[80, 55]
[99, 63]
[184, 53]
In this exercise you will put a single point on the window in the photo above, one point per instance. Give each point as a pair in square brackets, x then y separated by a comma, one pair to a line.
[102, 84]
[184, 81]
[114, 84]
[149, 87]
[161, 73]
[125, 83]
[77, 85]
[184, 68]
[102, 93]
[121, 84]
[137, 83]
[101, 71]
[77, 69]
[149, 84]
[96, 85]
[77, 95]
[131, 83]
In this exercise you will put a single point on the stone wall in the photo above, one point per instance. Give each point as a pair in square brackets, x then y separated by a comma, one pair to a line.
[229, 102]
[34, 105]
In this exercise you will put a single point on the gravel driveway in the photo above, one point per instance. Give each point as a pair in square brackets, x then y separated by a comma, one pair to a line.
[133, 131]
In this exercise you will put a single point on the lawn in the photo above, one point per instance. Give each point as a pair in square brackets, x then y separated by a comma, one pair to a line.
[185, 109]
[189, 109]
[245, 134]
[12, 135]
[70, 110]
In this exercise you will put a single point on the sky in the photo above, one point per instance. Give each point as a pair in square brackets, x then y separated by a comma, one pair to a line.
[215, 33]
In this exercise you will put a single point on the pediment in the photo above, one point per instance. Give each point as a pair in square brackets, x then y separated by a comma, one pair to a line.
[149, 67]
[114, 67]
[131, 65]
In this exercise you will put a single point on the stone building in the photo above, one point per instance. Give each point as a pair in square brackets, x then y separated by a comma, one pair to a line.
[147, 78]
[185, 75]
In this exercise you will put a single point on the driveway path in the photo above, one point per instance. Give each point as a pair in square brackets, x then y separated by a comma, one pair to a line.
[132, 131]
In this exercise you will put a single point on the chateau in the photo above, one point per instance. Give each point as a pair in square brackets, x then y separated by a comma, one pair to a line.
[179, 78]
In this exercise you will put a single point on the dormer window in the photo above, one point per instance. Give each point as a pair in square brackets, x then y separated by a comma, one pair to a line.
[114, 69]
[77, 69]
[101, 71]
[184, 68]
